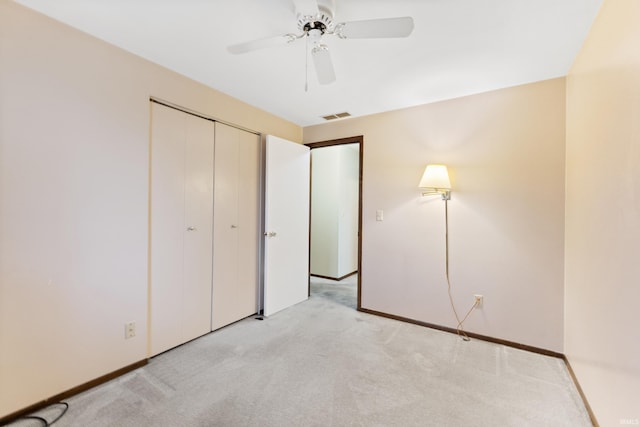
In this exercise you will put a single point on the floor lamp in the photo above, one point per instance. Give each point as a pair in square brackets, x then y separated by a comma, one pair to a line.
[435, 181]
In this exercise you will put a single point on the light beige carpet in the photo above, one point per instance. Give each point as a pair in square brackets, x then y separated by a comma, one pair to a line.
[322, 363]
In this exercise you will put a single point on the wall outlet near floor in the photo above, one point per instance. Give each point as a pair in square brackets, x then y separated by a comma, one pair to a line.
[129, 330]
[478, 299]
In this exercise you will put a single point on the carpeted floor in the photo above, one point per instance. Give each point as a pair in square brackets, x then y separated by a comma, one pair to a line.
[322, 363]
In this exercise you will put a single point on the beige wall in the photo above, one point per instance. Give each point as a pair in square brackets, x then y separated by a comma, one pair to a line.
[74, 128]
[74, 136]
[505, 150]
[603, 214]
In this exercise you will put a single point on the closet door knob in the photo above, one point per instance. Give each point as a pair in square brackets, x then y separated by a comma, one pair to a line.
[270, 234]
[234, 226]
[191, 228]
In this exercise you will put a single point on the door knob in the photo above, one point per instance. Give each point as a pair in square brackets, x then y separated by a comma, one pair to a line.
[191, 228]
[270, 234]
[234, 226]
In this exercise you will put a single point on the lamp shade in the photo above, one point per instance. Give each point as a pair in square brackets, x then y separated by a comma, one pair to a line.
[435, 176]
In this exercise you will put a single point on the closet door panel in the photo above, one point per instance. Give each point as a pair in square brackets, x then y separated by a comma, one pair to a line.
[198, 227]
[181, 221]
[225, 246]
[248, 214]
[167, 225]
[236, 225]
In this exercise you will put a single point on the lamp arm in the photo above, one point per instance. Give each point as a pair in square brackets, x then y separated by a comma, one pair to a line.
[445, 193]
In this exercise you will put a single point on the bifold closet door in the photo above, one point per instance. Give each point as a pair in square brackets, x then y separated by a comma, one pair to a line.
[182, 161]
[236, 225]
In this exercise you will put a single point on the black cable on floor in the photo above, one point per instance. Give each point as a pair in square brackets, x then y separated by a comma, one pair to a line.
[34, 417]
[43, 420]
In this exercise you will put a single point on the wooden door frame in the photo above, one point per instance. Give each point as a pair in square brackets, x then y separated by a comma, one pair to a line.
[359, 139]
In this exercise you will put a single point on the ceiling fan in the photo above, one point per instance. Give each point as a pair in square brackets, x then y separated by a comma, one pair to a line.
[315, 20]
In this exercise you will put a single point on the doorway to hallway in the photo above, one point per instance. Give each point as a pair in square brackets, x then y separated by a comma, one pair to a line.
[335, 237]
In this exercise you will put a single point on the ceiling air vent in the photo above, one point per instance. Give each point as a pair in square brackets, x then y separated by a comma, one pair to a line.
[336, 116]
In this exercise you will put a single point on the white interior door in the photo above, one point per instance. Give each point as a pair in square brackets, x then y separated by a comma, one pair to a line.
[286, 256]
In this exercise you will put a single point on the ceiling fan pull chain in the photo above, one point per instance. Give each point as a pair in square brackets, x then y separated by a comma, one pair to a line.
[306, 64]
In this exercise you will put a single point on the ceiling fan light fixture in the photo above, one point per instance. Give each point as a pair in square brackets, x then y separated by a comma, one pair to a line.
[321, 22]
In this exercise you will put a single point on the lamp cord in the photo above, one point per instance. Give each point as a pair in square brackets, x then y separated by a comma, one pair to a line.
[460, 326]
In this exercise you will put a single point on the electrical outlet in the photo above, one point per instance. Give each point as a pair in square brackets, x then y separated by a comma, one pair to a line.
[129, 330]
[478, 300]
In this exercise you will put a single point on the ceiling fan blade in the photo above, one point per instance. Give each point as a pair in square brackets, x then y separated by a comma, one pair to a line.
[261, 44]
[323, 64]
[376, 28]
[306, 7]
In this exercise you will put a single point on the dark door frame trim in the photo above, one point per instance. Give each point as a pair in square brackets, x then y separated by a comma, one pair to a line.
[359, 139]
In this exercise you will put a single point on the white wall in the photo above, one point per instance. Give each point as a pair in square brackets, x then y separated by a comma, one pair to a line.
[603, 215]
[505, 150]
[334, 215]
[74, 179]
[348, 212]
[324, 217]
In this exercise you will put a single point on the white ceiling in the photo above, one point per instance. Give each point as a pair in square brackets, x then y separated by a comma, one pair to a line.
[458, 47]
